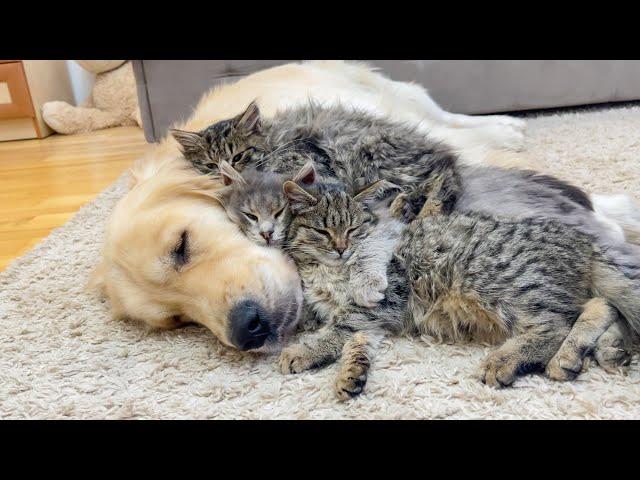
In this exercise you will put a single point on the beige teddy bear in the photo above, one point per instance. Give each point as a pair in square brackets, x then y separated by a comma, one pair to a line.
[112, 103]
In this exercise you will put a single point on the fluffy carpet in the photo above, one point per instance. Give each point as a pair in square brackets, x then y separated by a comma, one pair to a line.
[61, 356]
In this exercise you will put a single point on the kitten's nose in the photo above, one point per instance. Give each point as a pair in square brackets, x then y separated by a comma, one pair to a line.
[267, 236]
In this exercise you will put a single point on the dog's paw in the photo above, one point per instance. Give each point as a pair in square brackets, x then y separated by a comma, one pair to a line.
[503, 137]
[517, 123]
[295, 359]
[351, 380]
[369, 289]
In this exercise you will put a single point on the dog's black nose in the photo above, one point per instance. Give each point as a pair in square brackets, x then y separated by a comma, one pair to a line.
[249, 325]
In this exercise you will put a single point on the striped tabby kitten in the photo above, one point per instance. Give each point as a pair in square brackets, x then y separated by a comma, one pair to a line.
[521, 285]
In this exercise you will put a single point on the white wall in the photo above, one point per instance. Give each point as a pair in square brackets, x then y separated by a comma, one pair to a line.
[81, 81]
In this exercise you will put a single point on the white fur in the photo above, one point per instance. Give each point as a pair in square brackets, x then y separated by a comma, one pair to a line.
[620, 213]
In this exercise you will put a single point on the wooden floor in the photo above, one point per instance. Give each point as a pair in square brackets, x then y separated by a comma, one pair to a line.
[44, 182]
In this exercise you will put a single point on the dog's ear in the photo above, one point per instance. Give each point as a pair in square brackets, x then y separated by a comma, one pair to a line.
[376, 192]
[190, 142]
[250, 119]
[306, 175]
[298, 197]
[229, 174]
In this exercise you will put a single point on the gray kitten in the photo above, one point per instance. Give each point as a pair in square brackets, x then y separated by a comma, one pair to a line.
[255, 202]
[465, 276]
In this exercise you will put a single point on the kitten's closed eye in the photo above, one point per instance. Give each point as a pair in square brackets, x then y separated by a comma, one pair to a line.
[278, 213]
[323, 232]
[250, 216]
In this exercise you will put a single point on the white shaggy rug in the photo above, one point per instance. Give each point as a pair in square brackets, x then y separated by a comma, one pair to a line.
[61, 356]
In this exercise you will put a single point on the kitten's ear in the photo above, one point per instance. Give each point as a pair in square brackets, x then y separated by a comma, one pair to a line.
[306, 175]
[190, 142]
[250, 119]
[229, 174]
[298, 198]
[376, 191]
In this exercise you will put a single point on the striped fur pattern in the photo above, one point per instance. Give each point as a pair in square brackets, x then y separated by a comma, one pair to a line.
[523, 283]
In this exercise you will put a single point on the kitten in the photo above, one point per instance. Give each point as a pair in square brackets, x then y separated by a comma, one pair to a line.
[255, 202]
[461, 276]
[330, 228]
[236, 140]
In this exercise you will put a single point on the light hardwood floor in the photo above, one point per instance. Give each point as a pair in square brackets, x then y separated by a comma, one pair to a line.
[44, 182]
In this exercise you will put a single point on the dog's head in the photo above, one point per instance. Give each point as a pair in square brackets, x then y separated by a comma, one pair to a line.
[171, 255]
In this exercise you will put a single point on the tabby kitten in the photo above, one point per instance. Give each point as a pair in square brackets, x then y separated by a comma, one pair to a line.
[463, 276]
[236, 140]
[328, 229]
[255, 202]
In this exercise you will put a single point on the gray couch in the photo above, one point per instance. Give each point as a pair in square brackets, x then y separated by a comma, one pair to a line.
[169, 89]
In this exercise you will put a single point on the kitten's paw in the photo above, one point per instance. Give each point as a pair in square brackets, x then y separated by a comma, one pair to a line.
[295, 359]
[405, 206]
[352, 379]
[564, 366]
[498, 370]
[369, 290]
[613, 349]
[612, 357]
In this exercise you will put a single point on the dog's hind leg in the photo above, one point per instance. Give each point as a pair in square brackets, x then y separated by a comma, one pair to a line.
[598, 315]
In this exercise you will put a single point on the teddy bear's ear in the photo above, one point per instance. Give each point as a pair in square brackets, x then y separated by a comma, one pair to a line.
[190, 142]
[249, 120]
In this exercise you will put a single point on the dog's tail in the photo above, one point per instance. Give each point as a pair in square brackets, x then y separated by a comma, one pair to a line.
[620, 213]
[620, 285]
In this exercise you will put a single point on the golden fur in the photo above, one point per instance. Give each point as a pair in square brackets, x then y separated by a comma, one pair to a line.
[224, 265]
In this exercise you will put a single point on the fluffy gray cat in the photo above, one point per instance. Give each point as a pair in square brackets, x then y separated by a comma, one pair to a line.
[358, 149]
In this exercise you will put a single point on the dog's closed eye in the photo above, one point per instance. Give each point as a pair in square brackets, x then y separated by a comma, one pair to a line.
[180, 253]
